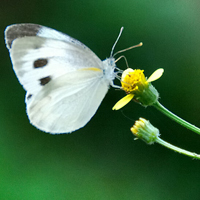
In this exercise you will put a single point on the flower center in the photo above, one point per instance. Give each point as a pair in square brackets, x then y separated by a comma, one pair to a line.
[133, 80]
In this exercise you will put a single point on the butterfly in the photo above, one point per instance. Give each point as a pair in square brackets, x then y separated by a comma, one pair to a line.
[64, 80]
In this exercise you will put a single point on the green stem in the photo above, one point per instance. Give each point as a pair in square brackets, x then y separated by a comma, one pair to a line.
[177, 149]
[177, 119]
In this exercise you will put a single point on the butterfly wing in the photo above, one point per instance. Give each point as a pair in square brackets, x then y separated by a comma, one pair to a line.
[37, 52]
[67, 103]
[42, 59]
[15, 31]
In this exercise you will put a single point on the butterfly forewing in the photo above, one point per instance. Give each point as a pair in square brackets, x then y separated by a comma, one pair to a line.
[35, 58]
[15, 31]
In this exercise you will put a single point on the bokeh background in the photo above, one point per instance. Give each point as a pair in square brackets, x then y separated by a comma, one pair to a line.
[102, 160]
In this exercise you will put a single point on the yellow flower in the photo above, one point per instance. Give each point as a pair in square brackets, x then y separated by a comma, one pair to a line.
[133, 80]
[138, 87]
[144, 130]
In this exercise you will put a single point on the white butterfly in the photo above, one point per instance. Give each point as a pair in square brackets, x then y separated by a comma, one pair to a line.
[65, 81]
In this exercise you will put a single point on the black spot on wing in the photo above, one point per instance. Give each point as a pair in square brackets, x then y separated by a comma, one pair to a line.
[29, 96]
[40, 63]
[44, 81]
[20, 30]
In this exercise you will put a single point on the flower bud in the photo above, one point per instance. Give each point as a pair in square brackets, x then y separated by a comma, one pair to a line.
[144, 130]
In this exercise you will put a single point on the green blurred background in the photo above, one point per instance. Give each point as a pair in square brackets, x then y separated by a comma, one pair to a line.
[102, 161]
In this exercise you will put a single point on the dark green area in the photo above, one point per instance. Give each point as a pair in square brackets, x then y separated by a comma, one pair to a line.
[102, 161]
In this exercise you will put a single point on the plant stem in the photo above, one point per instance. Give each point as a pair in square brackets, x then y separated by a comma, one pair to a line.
[177, 119]
[177, 149]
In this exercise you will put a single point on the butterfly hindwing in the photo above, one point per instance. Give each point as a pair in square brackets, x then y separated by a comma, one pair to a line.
[68, 102]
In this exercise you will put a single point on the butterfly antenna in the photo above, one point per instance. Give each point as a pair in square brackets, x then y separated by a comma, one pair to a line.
[138, 45]
[111, 54]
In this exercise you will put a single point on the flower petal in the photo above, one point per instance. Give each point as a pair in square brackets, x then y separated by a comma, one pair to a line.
[126, 72]
[156, 75]
[122, 102]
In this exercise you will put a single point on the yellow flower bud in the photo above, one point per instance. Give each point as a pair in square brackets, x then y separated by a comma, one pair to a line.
[144, 130]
